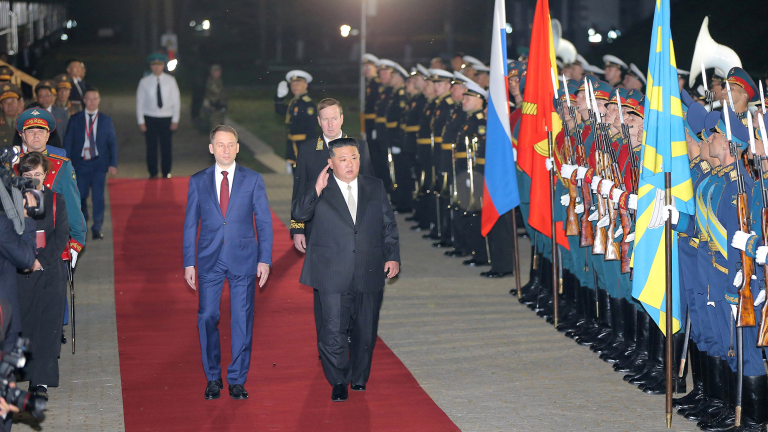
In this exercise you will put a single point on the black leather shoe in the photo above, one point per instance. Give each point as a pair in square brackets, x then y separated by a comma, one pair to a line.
[357, 387]
[97, 235]
[213, 389]
[441, 244]
[474, 263]
[339, 393]
[494, 274]
[456, 253]
[237, 391]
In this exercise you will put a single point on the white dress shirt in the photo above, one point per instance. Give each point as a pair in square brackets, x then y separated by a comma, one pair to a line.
[146, 98]
[218, 177]
[77, 82]
[92, 141]
[327, 140]
[345, 192]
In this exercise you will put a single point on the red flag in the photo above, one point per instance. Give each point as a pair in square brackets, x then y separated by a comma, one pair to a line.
[539, 116]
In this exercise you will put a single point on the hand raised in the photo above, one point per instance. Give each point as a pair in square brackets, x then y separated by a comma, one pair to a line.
[322, 179]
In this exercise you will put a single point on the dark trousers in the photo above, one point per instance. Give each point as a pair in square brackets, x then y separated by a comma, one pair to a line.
[402, 197]
[500, 243]
[350, 321]
[92, 178]
[473, 234]
[242, 291]
[158, 131]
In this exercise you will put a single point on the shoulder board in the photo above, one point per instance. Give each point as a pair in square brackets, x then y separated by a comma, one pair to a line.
[480, 115]
[57, 157]
[449, 100]
[401, 92]
[306, 98]
[704, 166]
[733, 175]
[320, 143]
[377, 79]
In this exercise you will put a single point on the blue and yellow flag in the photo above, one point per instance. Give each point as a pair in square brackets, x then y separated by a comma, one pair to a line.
[664, 151]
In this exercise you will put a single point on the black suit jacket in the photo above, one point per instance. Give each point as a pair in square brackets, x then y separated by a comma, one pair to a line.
[309, 163]
[342, 254]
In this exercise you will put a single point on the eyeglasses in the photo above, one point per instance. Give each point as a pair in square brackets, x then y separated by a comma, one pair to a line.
[37, 175]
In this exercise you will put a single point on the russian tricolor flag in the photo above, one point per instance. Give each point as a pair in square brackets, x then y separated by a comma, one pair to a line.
[500, 193]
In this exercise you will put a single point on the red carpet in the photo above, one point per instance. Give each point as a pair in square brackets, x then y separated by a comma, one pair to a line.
[160, 363]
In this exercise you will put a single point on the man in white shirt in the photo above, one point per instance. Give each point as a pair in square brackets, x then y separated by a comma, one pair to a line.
[158, 108]
[76, 70]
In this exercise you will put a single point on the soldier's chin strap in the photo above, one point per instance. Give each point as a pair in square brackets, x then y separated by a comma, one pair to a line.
[13, 207]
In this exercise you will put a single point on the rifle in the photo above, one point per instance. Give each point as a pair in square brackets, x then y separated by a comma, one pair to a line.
[626, 225]
[599, 246]
[454, 192]
[434, 183]
[470, 165]
[391, 164]
[571, 219]
[762, 337]
[71, 282]
[586, 233]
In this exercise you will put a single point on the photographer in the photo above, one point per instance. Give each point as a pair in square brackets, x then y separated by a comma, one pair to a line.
[42, 287]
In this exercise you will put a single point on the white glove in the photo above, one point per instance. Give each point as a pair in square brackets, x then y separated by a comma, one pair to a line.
[549, 163]
[603, 222]
[579, 209]
[740, 239]
[595, 182]
[616, 194]
[760, 254]
[630, 238]
[567, 170]
[373, 134]
[73, 253]
[565, 200]
[396, 150]
[282, 89]
[593, 217]
[760, 298]
[581, 172]
[619, 232]
[605, 187]
[670, 210]
[632, 202]
[738, 279]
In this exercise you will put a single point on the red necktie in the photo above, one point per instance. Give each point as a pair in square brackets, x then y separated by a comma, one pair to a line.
[224, 194]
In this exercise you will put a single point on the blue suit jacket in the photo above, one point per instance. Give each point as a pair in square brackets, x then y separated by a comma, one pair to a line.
[106, 141]
[235, 235]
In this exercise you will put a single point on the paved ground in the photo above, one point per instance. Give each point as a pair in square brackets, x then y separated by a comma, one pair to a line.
[486, 360]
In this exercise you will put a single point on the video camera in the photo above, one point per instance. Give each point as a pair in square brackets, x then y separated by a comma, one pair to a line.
[15, 188]
[9, 362]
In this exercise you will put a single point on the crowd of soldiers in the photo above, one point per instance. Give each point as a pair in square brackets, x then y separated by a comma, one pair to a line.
[425, 131]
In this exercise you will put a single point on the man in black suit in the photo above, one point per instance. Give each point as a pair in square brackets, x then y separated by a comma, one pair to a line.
[347, 262]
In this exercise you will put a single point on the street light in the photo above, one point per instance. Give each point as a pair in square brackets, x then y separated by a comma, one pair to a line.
[345, 29]
[206, 25]
[172, 65]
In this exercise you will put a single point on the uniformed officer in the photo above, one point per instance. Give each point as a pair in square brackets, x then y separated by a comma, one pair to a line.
[416, 102]
[64, 85]
[743, 91]
[423, 168]
[9, 99]
[467, 67]
[379, 144]
[6, 74]
[45, 91]
[634, 79]
[215, 99]
[373, 87]
[482, 75]
[615, 69]
[300, 113]
[398, 166]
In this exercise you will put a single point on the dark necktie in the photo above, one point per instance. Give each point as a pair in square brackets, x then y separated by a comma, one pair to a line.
[92, 136]
[224, 194]
[159, 95]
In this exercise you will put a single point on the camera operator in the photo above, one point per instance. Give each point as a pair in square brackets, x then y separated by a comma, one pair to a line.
[5, 323]
[42, 287]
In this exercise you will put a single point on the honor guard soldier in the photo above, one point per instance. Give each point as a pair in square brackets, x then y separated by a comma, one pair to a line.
[423, 168]
[743, 91]
[614, 69]
[388, 132]
[445, 163]
[410, 125]
[470, 160]
[35, 125]
[64, 85]
[482, 75]
[6, 74]
[373, 87]
[379, 144]
[468, 67]
[444, 104]
[9, 99]
[300, 113]
[397, 166]
[634, 78]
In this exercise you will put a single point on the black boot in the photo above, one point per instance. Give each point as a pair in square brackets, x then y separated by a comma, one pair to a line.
[637, 358]
[530, 290]
[590, 322]
[678, 385]
[727, 418]
[603, 329]
[715, 401]
[753, 400]
[617, 351]
[692, 398]
[616, 316]
[655, 366]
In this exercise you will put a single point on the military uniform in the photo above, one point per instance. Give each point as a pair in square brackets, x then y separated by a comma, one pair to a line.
[395, 137]
[424, 164]
[8, 131]
[214, 102]
[444, 106]
[300, 117]
[379, 144]
[405, 168]
[473, 132]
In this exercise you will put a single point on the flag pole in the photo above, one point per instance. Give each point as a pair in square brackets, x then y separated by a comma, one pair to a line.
[517, 252]
[669, 332]
[555, 278]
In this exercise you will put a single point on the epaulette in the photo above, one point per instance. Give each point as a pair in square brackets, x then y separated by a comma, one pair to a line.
[377, 79]
[450, 100]
[53, 156]
[479, 115]
[705, 166]
[306, 98]
[733, 175]
[401, 92]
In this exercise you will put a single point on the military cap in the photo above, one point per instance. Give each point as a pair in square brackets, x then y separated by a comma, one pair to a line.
[35, 118]
[522, 53]
[422, 70]
[157, 58]
[588, 67]
[738, 76]
[602, 90]
[479, 67]
[470, 61]
[49, 84]
[440, 75]
[401, 70]
[716, 74]
[693, 115]
[394, 66]
[5, 73]
[635, 72]
[298, 74]
[715, 122]
[622, 92]
[612, 60]
[370, 58]
[460, 78]
[522, 78]
[572, 87]
[520, 71]
[635, 101]
[10, 91]
[63, 81]
[511, 63]
[474, 89]
[682, 73]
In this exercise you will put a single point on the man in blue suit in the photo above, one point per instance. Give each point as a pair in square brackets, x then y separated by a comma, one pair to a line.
[91, 144]
[225, 200]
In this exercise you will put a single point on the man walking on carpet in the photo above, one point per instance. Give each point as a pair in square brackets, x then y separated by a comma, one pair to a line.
[347, 261]
[225, 200]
